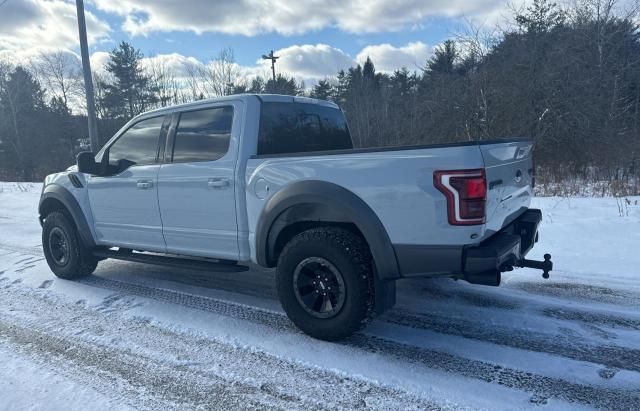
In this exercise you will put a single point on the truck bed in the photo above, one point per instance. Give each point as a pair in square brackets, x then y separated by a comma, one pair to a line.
[397, 183]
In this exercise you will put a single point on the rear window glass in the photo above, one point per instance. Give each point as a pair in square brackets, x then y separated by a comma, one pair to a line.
[301, 127]
[203, 135]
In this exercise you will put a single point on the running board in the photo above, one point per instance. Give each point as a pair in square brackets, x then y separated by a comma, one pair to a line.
[202, 264]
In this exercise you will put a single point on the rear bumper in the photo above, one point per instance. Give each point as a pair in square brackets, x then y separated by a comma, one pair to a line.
[504, 249]
[480, 263]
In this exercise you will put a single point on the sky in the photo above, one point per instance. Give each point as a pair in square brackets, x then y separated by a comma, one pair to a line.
[314, 38]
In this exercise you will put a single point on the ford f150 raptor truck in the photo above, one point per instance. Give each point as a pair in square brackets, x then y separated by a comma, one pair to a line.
[275, 180]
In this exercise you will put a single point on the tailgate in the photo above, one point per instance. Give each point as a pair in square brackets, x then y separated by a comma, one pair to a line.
[509, 170]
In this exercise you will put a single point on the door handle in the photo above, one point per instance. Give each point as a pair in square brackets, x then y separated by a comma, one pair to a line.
[218, 182]
[144, 184]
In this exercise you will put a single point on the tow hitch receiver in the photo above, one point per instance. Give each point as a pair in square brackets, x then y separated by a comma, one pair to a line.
[545, 265]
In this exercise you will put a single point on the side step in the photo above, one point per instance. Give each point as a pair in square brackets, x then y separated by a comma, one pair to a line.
[202, 264]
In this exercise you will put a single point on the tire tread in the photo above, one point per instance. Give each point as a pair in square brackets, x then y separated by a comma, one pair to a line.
[359, 257]
[82, 263]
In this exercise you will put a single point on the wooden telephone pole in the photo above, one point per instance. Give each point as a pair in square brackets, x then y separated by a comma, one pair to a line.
[273, 59]
[88, 80]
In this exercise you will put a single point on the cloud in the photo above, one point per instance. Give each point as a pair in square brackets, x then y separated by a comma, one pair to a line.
[388, 58]
[29, 27]
[288, 17]
[175, 63]
[309, 61]
[99, 61]
[382, 15]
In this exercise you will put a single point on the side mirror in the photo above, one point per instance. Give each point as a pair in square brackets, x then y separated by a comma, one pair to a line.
[86, 162]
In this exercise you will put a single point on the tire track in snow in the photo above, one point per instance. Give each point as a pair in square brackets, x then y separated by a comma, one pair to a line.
[469, 297]
[593, 318]
[541, 387]
[607, 355]
[477, 298]
[159, 368]
[564, 346]
[560, 345]
[168, 383]
[583, 292]
[23, 250]
[252, 287]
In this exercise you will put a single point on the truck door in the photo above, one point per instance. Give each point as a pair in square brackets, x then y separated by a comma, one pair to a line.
[124, 199]
[196, 189]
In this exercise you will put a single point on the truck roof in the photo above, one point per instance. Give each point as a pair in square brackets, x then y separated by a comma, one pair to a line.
[262, 97]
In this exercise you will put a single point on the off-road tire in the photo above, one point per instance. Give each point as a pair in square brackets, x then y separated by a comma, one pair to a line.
[348, 253]
[79, 261]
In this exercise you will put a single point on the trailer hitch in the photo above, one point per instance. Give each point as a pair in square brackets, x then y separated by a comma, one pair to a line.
[545, 266]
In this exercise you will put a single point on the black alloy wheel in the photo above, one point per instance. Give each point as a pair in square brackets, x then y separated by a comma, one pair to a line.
[319, 287]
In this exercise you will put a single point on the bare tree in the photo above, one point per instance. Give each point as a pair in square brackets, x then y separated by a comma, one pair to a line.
[227, 71]
[61, 74]
[164, 81]
[195, 82]
[220, 75]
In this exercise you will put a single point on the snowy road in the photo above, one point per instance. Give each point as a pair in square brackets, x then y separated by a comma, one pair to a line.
[140, 337]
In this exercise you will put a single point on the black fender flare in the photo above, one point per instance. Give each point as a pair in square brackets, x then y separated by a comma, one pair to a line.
[55, 192]
[313, 200]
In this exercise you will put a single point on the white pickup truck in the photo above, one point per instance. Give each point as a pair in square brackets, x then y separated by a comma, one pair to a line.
[275, 180]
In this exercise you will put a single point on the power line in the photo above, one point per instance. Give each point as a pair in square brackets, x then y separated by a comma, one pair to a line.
[3, 2]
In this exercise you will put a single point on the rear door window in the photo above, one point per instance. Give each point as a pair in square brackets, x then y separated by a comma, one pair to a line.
[301, 127]
[203, 135]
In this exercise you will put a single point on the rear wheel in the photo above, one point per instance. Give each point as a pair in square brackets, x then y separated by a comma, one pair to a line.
[325, 282]
[67, 257]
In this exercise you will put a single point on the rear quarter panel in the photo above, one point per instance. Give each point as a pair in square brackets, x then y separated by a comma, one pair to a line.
[397, 185]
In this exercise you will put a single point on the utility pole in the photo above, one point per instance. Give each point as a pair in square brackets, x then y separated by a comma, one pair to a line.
[88, 80]
[273, 59]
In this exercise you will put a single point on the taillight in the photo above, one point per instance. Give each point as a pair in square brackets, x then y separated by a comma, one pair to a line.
[466, 192]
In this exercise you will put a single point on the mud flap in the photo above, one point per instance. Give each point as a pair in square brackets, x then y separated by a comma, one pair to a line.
[385, 295]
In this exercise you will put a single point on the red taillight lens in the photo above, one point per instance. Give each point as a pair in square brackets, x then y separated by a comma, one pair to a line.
[466, 192]
[469, 188]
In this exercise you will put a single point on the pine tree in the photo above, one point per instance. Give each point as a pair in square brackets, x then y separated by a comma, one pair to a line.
[368, 70]
[444, 58]
[282, 85]
[323, 90]
[21, 109]
[541, 17]
[130, 92]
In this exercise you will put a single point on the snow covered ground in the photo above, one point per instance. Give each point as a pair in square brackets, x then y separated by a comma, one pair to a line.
[140, 337]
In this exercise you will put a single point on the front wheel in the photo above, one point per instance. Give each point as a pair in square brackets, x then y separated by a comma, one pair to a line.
[325, 282]
[67, 257]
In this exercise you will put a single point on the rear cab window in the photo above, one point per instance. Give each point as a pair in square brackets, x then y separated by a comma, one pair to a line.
[301, 128]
